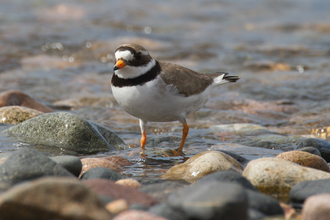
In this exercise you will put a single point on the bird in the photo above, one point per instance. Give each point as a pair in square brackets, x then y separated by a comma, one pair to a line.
[155, 91]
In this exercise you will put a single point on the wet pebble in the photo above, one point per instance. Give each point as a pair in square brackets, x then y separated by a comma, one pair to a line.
[317, 207]
[277, 176]
[17, 114]
[305, 159]
[310, 150]
[161, 191]
[116, 191]
[51, 198]
[28, 164]
[303, 190]
[202, 164]
[119, 160]
[228, 176]
[71, 163]
[249, 153]
[101, 173]
[211, 200]
[322, 145]
[66, 131]
[137, 215]
[18, 98]
[264, 204]
[259, 203]
[90, 163]
[241, 128]
[130, 183]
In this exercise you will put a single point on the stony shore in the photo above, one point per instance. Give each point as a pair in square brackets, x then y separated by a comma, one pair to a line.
[214, 184]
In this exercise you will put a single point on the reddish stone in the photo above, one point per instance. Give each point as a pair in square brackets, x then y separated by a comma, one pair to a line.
[119, 160]
[305, 159]
[14, 97]
[116, 191]
[90, 163]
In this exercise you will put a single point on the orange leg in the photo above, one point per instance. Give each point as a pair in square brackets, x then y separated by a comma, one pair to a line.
[185, 131]
[143, 141]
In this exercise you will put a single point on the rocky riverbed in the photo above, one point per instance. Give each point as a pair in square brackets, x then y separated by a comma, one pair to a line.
[259, 149]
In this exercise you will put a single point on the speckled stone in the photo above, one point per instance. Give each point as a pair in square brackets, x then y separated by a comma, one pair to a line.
[67, 131]
[305, 159]
[277, 176]
[17, 114]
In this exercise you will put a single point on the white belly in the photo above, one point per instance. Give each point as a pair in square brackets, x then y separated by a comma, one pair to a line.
[153, 101]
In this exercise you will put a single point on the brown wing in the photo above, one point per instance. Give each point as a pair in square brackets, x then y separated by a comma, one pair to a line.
[186, 81]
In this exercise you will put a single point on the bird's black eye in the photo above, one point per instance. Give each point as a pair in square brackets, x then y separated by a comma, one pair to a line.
[138, 56]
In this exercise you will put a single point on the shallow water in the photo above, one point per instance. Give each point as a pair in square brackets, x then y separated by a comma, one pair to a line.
[61, 52]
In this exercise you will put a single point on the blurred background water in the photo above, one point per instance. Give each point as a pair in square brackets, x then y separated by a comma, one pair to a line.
[61, 53]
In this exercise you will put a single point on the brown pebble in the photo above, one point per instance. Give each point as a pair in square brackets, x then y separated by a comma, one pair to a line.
[14, 97]
[129, 182]
[117, 206]
[17, 114]
[116, 191]
[305, 159]
[119, 160]
[90, 163]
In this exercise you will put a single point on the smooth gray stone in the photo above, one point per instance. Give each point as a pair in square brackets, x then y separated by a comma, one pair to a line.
[167, 212]
[71, 163]
[161, 191]
[28, 164]
[66, 131]
[264, 204]
[300, 192]
[211, 201]
[101, 173]
[311, 150]
[228, 176]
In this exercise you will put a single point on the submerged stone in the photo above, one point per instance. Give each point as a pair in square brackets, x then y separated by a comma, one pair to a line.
[66, 131]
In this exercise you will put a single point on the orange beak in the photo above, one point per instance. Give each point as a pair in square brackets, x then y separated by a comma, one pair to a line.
[120, 64]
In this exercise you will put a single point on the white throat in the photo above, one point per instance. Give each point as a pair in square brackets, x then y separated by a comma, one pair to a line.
[129, 72]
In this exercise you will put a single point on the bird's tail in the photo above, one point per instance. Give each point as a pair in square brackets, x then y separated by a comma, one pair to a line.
[222, 77]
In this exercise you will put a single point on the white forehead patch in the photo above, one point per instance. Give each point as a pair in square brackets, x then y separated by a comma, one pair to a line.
[125, 54]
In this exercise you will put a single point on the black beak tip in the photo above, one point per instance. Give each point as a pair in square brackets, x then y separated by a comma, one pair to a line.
[115, 68]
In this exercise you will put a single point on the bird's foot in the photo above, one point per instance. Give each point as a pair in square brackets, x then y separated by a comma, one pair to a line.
[176, 153]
